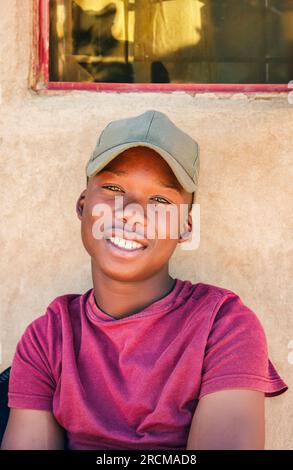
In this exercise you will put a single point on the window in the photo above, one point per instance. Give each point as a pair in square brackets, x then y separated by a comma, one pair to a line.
[166, 44]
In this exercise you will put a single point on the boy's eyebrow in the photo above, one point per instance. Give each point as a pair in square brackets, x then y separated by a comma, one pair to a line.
[116, 172]
[164, 185]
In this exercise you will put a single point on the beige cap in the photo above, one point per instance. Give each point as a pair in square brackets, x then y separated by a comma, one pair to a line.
[155, 130]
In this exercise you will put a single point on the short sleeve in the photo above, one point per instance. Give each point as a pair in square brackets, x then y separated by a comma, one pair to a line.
[236, 354]
[32, 383]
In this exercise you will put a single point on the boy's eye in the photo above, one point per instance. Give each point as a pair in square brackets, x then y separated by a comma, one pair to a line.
[111, 186]
[162, 200]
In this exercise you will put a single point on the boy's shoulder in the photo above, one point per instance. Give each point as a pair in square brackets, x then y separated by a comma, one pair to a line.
[54, 313]
[222, 305]
[207, 290]
[64, 301]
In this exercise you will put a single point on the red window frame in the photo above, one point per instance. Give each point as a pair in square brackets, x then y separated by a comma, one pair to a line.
[40, 77]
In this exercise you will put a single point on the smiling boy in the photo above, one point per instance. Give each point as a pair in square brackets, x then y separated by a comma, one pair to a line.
[142, 360]
[125, 281]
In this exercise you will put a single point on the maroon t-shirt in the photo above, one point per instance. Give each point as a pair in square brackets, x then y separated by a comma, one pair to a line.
[134, 382]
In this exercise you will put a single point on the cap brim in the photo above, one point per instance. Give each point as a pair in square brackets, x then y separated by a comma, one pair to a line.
[96, 165]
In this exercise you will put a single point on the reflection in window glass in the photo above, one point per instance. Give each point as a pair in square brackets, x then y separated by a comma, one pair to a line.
[171, 41]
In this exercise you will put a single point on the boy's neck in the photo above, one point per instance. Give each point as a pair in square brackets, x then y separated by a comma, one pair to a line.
[120, 299]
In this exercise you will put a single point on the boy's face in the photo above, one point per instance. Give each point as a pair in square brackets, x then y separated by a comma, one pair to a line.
[139, 176]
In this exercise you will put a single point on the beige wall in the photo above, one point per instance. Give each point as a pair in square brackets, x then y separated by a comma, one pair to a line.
[245, 197]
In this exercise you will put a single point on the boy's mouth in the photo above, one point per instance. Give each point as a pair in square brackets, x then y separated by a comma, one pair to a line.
[126, 248]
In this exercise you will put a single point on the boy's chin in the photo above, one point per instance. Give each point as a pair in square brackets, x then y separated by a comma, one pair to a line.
[123, 275]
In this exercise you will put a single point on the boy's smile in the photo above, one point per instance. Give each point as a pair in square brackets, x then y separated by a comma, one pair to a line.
[142, 177]
[121, 246]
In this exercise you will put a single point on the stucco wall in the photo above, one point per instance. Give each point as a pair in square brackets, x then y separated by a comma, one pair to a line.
[245, 198]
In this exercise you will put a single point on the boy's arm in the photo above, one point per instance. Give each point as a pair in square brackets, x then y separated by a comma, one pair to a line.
[228, 419]
[32, 430]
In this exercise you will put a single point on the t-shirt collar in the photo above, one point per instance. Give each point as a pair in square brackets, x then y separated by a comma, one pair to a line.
[155, 307]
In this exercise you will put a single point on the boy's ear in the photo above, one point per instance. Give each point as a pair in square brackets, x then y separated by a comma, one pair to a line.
[80, 204]
[185, 234]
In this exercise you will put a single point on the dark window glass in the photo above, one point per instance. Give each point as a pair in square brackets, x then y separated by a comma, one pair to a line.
[171, 41]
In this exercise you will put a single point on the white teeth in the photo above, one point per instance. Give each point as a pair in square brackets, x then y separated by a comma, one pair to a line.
[128, 244]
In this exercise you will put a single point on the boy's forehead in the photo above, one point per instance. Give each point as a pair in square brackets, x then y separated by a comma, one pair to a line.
[141, 158]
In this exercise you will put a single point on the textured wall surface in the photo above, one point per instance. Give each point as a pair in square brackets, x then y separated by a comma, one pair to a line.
[245, 198]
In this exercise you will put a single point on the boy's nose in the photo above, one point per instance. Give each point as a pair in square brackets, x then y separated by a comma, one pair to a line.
[131, 214]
